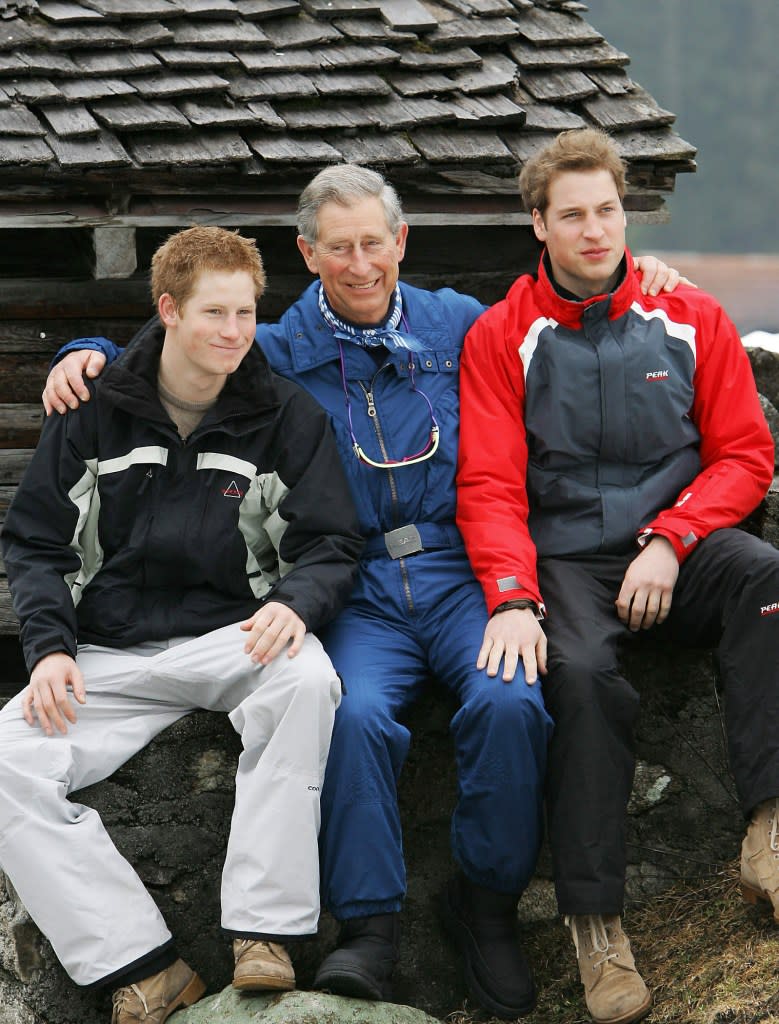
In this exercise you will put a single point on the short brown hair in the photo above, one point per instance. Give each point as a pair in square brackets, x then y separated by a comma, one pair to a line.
[178, 262]
[582, 149]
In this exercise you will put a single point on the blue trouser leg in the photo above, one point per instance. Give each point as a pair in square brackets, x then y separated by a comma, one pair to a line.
[501, 733]
[361, 846]
[401, 628]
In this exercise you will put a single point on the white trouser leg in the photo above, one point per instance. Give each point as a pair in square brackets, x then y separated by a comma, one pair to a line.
[284, 715]
[75, 884]
[77, 887]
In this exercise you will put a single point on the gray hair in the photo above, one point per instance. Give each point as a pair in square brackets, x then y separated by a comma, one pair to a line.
[345, 184]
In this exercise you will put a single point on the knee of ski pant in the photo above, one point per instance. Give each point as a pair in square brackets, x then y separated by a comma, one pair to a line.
[508, 709]
[579, 686]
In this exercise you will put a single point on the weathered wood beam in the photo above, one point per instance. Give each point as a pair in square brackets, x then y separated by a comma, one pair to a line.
[115, 252]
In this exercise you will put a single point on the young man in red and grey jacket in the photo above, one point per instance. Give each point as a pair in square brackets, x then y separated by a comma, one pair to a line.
[610, 442]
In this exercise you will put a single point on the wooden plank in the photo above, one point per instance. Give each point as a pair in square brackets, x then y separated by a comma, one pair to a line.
[41, 338]
[346, 83]
[192, 150]
[187, 57]
[555, 28]
[444, 146]
[33, 90]
[39, 62]
[70, 122]
[289, 33]
[133, 8]
[331, 9]
[631, 112]
[472, 31]
[480, 8]
[351, 56]
[410, 83]
[234, 35]
[115, 62]
[372, 30]
[104, 150]
[166, 84]
[150, 33]
[267, 61]
[654, 145]
[441, 60]
[549, 118]
[280, 148]
[86, 89]
[613, 83]
[18, 120]
[13, 462]
[209, 8]
[496, 72]
[489, 110]
[24, 151]
[206, 113]
[408, 16]
[259, 9]
[559, 86]
[134, 114]
[596, 55]
[272, 86]
[20, 426]
[9, 624]
[378, 149]
[62, 13]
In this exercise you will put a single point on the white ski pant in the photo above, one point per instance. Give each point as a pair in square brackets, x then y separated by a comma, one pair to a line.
[83, 895]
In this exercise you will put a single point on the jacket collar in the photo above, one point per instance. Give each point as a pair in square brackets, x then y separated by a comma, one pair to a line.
[570, 312]
[131, 382]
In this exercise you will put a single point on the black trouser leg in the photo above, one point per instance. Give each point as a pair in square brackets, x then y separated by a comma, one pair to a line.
[591, 761]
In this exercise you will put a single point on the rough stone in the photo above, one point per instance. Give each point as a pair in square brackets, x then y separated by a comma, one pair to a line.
[230, 1007]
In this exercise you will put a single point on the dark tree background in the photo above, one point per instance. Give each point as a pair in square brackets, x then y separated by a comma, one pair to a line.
[715, 64]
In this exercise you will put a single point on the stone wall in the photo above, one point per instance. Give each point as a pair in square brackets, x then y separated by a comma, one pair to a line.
[169, 808]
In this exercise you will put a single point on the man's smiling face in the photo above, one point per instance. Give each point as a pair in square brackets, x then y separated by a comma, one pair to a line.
[357, 258]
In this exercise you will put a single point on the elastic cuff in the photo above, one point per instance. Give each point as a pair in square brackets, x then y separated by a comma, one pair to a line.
[232, 933]
[144, 967]
[365, 908]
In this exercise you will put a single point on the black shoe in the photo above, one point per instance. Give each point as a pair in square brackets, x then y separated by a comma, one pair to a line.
[362, 963]
[483, 923]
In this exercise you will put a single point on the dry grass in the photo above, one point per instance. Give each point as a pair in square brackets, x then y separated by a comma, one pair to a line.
[708, 957]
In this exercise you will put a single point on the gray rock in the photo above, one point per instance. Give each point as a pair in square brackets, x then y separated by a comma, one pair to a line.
[765, 366]
[231, 1007]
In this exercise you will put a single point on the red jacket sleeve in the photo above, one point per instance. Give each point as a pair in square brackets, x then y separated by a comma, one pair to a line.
[492, 503]
[737, 450]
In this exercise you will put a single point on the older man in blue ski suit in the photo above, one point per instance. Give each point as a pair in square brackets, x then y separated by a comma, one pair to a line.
[382, 358]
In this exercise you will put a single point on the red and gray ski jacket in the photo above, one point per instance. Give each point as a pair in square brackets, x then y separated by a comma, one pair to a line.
[588, 427]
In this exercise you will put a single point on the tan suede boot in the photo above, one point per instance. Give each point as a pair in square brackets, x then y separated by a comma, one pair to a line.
[613, 989]
[154, 999]
[262, 965]
[760, 856]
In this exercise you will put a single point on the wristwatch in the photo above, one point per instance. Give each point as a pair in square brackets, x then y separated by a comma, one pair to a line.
[520, 603]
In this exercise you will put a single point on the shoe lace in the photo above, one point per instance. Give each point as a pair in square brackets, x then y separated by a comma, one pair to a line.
[121, 997]
[599, 938]
[773, 835]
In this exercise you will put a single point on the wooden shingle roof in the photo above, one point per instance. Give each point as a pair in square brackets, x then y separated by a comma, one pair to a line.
[137, 106]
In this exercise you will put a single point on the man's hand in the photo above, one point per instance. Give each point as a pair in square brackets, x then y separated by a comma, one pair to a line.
[65, 388]
[511, 635]
[270, 629]
[657, 276]
[46, 698]
[647, 589]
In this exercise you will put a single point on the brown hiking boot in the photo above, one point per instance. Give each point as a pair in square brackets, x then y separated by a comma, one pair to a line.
[262, 965]
[154, 999]
[613, 989]
[760, 856]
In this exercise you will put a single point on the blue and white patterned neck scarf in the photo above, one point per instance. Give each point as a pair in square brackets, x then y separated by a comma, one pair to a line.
[370, 337]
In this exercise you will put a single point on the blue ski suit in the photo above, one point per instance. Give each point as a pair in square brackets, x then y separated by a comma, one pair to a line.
[411, 617]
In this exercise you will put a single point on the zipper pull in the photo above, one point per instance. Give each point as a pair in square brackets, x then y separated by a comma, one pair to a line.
[371, 405]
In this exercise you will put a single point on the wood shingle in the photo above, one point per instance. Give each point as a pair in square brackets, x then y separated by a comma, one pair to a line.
[452, 93]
